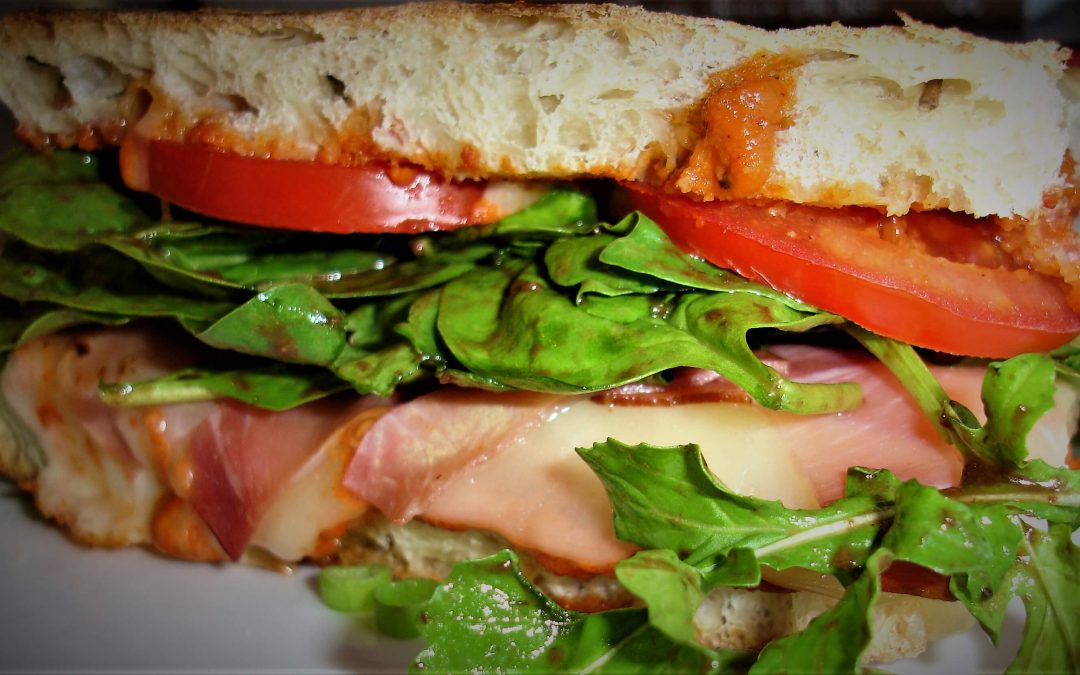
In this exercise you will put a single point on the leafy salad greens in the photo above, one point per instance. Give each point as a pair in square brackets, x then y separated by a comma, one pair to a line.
[554, 299]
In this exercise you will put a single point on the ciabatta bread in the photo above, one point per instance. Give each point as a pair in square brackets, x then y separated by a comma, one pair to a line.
[894, 117]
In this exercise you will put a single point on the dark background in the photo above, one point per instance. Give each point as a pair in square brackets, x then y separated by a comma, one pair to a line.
[1006, 19]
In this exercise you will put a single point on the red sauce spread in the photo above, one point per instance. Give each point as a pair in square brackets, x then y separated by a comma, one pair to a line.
[1050, 245]
[747, 105]
[177, 531]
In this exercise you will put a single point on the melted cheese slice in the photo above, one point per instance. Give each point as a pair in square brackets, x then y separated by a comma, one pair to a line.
[540, 495]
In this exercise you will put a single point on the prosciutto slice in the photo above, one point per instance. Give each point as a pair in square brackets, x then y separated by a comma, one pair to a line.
[416, 448]
[133, 475]
[217, 478]
[243, 456]
[463, 460]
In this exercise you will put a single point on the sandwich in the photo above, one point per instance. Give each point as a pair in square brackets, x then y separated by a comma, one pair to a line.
[659, 342]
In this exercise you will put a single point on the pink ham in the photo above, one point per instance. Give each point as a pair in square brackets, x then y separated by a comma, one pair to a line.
[243, 456]
[458, 464]
[888, 431]
[108, 468]
[458, 458]
[417, 447]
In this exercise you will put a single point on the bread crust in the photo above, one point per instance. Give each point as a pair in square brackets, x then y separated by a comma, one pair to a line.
[553, 91]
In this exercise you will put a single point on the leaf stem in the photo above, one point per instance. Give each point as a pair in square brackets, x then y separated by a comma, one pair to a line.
[609, 654]
[826, 530]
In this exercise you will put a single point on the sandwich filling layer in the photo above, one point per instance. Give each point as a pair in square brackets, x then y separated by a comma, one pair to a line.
[668, 308]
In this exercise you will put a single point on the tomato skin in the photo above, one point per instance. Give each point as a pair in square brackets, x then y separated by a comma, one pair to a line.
[837, 259]
[298, 195]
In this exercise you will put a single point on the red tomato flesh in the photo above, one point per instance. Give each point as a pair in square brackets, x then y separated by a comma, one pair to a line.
[298, 195]
[932, 280]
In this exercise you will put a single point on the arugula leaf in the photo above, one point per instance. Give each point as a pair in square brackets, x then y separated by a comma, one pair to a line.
[98, 282]
[203, 277]
[671, 589]
[1046, 579]
[702, 535]
[576, 262]
[489, 602]
[1016, 393]
[57, 202]
[209, 259]
[22, 324]
[647, 250]
[275, 387]
[23, 167]
[974, 545]
[508, 326]
[561, 211]
[835, 640]
[1036, 488]
[666, 498]
[377, 358]
[291, 323]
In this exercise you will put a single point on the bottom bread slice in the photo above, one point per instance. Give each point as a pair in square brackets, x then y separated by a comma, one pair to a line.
[729, 618]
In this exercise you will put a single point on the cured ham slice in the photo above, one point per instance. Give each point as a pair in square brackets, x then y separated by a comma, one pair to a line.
[169, 475]
[418, 447]
[887, 431]
[537, 493]
[242, 457]
[220, 479]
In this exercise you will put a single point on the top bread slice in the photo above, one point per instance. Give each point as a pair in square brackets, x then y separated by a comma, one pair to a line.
[899, 118]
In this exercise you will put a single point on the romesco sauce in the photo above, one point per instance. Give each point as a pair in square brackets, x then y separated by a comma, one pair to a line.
[746, 106]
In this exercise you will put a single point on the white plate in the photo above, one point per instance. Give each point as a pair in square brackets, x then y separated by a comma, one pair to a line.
[67, 608]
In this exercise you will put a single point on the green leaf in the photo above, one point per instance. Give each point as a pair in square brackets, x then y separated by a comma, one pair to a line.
[219, 257]
[647, 250]
[973, 545]
[291, 323]
[56, 201]
[20, 325]
[420, 329]
[488, 618]
[720, 323]
[1015, 393]
[835, 640]
[350, 588]
[276, 387]
[1046, 579]
[399, 606]
[380, 371]
[666, 498]
[1036, 488]
[479, 602]
[576, 262]
[66, 217]
[23, 167]
[561, 211]
[377, 357]
[96, 281]
[629, 308]
[513, 329]
[738, 569]
[671, 590]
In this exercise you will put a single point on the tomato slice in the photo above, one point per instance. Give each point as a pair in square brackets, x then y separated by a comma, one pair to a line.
[299, 195]
[932, 280]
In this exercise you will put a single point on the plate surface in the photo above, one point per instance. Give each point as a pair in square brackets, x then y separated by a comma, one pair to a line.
[68, 608]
